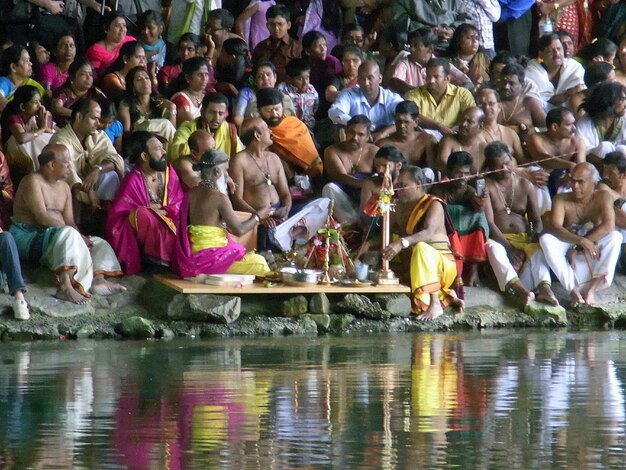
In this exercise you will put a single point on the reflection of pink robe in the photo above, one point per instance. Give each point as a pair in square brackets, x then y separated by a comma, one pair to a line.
[154, 232]
[209, 261]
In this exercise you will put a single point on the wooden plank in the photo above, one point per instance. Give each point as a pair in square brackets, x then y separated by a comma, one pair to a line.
[188, 287]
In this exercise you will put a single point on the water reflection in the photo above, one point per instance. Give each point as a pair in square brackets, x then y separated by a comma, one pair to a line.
[524, 400]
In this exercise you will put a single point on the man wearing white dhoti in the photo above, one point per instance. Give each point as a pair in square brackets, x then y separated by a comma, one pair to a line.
[614, 182]
[95, 166]
[582, 245]
[603, 127]
[513, 217]
[45, 233]
[556, 77]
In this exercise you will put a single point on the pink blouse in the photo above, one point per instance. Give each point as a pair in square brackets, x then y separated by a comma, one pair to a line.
[101, 58]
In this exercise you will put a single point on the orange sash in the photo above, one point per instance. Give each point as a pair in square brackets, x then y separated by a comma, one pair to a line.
[293, 143]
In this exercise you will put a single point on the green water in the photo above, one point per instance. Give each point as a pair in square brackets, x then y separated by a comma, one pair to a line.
[508, 399]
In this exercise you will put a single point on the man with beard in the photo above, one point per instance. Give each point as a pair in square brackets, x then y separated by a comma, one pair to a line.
[46, 235]
[203, 245]
[515, 257]
[603, 127]
[468, 138]
[142, 219]
[465, 205]
[96, 167]
[520, 112]
[423, 223]
[582, 245]
[440, 103]
[558, 141]
[199, 143]
[348, 164]
[212, 120]
[292, 141]
[368, 98]
[557, 78]
[417, 146]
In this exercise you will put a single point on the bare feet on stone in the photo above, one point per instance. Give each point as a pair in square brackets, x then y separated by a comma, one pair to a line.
[545, 295]
[434, 309]
[576, 299]
[100, 286]
[520, 291]
[70, 295]
[458, 305]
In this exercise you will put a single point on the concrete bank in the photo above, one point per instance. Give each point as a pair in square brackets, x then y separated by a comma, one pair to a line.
[150, 310]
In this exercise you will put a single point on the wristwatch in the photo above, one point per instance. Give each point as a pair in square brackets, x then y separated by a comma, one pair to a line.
[405, 243]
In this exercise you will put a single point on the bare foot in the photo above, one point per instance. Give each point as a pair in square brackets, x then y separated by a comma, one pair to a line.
[434, 309]
[70, 295]
[520, 291]
[590, 297]
[471, 279]
[458, 305]
[589, 292]
[576, 299]
[545, 295]
[103, 287]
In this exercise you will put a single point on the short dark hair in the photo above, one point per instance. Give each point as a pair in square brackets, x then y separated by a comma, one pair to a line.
[601, 47]
[227, 20]
[408, 107]
[360, 119]
[297, 67]
[46, 156]
[596, 72]
[494, 150]
[11, 55]
[137, 144]
[546, 40]
[556, 116]
[492, 90]
[214, 98]
[616, 158]
[514, 69]
[278, 10]
[602, 98]
[391, 154]
[459, 159]
[81, 106]
[310, 38]
[353, 49]
[263, 63]
[416, 174]
[439, 62]
[426, 36]
[107, 107]
[268, 97]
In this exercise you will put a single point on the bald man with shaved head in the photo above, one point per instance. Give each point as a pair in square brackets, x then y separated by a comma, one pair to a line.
[582, 245]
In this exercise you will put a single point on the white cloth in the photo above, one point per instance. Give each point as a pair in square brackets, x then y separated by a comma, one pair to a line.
[345, 210]
[586, 130]
[582, 270]
[534, 272]
[28, 152]
[572, 74]
[107, 186]
[313, 216]
[68, 249]
[542, 193]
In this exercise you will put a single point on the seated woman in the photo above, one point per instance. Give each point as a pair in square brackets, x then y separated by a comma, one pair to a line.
[143, 110]
[54, 73]
[264, 75]
[132, 55]
[203, 246]
[78, 85]
[190, 88]
[323, 65]
[16, 70]
[466, 54]
[103, 53]
[232, 67]
[26, 129]
[351, 59]
[188, 46]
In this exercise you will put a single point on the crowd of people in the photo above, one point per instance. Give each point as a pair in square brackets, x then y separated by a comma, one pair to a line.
[183, 135]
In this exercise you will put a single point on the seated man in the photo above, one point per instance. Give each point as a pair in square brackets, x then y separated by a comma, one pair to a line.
[560, 141]
[421, 220]
[465, 205]
[142, 218]
[556, 77]
[203, 246]
[489, 101]
[213, 120]
[417, 146]
[95, 166]
[468, 138]
[348, 164]
[200, 142]
[292, 141]
[45, 233]
[387, 158]
[614, 182]
[440, 102]
[260, 180]
[368, 98]
[517, 261]
[520, 112]
[581, 245]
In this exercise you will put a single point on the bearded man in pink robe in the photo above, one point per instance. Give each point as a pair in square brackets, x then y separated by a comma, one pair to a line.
[143, 217]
